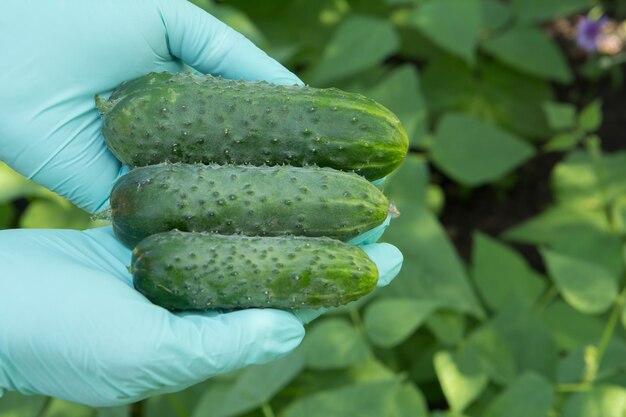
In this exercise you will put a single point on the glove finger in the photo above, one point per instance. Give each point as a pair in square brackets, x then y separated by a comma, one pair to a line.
[372, 235]
[120, 255]
[307, 315]
[388, 260]
[210, 46]
[196, 346]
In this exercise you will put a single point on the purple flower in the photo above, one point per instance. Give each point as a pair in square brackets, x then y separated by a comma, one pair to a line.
[587, 33]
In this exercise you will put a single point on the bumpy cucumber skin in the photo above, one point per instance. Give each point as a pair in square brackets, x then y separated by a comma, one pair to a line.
[202, 119]
[199, 271]
[249, 200]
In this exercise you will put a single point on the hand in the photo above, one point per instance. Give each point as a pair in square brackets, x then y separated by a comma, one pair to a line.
[71, 325]
[57, 56]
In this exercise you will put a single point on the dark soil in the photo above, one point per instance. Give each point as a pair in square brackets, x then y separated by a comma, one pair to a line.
[493, 209]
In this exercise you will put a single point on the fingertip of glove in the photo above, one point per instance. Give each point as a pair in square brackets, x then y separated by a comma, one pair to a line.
[307, 315]
[388, 260]
[371, 236]
[379, 181]
[278, 332]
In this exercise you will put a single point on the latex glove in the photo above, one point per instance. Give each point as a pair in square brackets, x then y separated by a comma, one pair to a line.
[70, 324]
[73, 327]
[57, 55]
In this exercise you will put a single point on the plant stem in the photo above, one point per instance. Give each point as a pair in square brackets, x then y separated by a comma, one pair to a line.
[607, 333]
[546, 298]
[267, 410]
[595, 354]
[356, 320]
[574, 387]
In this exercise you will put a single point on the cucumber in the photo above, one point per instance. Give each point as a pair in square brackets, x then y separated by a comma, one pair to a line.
[198, 271]
[202, 119]
[249, 200]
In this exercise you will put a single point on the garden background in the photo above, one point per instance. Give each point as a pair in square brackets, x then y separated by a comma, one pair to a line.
[513, 200]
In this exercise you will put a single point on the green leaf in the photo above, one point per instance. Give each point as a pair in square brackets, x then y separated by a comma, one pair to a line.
[389, 321]
[527, 337]
[579, 233]
[529, 395]
[590, 118]
[491, 91]
[576, 182]
[586, 287]
[252, 387]
[290, 24]
[432, 271]
[369, 370]
[492, 355]
[13, 404]
[447, 326]
[376, 399]
[413, 44]
[560, 142]
[460, 379]
[14, 185]
[539, 10]
[217, 401]
[344, 55]
[530, 50]
[400, 91]
[544, 228]
[448, 84]
[515, 99]
[55, 213]
[447, 414]
[409, 402]
[61, 408]
[7, 215]
[473, 152]
[571, 328]
[121, 411]
[495, 14]
[312, 381]
[400, 2]
[501, 273]
[560, 116]
[600, 401]
[421, 365]
[454, 25]
[333, 343]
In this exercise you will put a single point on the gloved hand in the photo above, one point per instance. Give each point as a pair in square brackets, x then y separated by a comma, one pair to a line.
[56, 56]
[71, 325]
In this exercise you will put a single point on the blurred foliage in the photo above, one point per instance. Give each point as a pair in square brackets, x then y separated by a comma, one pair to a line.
[476, 84]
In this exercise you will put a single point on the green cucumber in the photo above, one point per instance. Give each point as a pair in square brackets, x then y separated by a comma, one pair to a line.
[249, 200]
[198, 271]
[202, 119]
